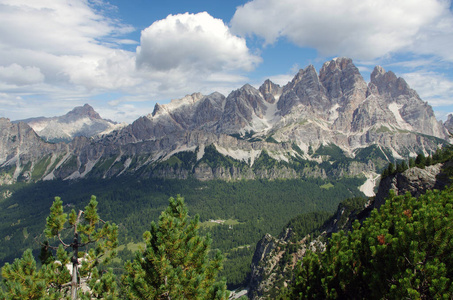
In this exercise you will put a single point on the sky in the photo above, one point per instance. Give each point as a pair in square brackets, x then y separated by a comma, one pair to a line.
[124, 56]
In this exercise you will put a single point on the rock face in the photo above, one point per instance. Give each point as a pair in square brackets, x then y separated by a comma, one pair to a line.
[81, 121]
[415, 180]
[336, 109]
[449, 124]
[275, 258]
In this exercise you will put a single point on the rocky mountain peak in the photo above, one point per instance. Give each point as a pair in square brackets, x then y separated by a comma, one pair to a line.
[270, 91]
[305, 89]
[81, 112]
[176, 104]
[158, 108]
[340, 76]
[80, 121]
[340, 63]
[387, 84]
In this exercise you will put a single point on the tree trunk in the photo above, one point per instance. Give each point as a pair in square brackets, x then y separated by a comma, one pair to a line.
[75, 265]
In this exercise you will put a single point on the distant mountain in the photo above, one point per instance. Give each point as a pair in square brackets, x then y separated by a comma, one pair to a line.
[81, 121]
[330, 124]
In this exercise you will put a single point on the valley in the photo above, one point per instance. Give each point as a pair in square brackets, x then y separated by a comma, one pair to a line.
[257, 207]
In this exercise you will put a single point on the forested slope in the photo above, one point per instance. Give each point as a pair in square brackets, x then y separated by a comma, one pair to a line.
[252, 208]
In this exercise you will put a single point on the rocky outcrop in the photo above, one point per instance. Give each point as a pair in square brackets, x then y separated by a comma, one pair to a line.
[415, 180]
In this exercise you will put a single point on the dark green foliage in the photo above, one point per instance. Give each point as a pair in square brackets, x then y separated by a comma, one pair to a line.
[270, 139]
[297, 149]
[402, 251]
[411, 162]
[214, 159]
[331, 152]
[175, 263]
[248, 135]
[307, 223]
[401, 167]
[420, 161]
[260, 206]
[23, 280]
[390, 170]
[441, 155]
[181, 160]
[265, 161]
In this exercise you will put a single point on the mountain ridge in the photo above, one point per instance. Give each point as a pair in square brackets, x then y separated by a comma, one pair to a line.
[316, 125]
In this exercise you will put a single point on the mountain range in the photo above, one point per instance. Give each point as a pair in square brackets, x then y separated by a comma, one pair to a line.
[318, 125]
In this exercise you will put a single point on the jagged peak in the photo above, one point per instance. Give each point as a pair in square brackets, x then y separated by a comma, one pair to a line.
[268, 86]
[270, 91]
[247, 87]
[308, 71]
[177, 103]
[380, 74]
[340, 64]
[157, 109]
[388, 83]
[83, 111]
[336, 63]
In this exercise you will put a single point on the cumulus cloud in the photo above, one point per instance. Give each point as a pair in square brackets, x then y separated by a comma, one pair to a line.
[363, 29]
[193, 42]
[62, 40]
[62, 53]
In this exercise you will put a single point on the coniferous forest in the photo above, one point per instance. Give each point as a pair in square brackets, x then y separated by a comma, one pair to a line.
[250, 209]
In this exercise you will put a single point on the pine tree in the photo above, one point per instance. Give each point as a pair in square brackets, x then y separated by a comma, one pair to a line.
[175, 263]
[420, 160]
[23, 280]
[53, 280]
[411, 162]
[403, 251]
[87, 228]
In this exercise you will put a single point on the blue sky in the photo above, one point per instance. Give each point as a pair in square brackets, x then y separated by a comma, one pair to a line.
[124, 56]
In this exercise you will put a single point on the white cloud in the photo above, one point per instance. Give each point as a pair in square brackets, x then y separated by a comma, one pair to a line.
[15, 74]
[63, 41]
[55, 55]
[193, 42]
[363, 29]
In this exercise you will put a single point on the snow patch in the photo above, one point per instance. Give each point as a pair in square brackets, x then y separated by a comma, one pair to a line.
[395, 109]
[333, 113]
[368, 187]
[269, 119]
